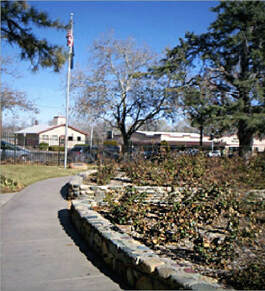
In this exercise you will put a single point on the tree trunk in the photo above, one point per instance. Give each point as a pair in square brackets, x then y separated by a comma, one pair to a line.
[201, 136]
[126, 140]
[125, 148]
[245, 137]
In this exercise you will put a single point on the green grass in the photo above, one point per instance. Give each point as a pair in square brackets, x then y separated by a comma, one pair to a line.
[16, 177]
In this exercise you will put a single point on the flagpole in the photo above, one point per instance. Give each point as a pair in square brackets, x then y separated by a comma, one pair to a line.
[67, 94]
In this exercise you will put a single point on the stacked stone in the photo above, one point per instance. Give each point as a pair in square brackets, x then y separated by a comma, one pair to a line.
[74, 187]
[138, 265]
[154, 195]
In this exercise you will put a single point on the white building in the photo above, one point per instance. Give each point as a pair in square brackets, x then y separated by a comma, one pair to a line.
[148, 138]
[53, 134]
[231, 141]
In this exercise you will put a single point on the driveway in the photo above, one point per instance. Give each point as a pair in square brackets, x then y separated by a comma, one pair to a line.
[40, 249]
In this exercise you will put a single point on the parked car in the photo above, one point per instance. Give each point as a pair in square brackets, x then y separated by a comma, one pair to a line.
[191, 151]
[112, 152]
[153, 154]
[215, 153]
[81, 153]
[233, 152]
[11, 151]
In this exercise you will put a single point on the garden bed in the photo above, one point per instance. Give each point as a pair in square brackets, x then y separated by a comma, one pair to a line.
[224, 240]
[200, 219]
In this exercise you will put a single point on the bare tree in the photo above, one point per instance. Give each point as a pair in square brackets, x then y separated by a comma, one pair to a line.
[157, 125]
[184, 126]
[118, 89]
[12, 99]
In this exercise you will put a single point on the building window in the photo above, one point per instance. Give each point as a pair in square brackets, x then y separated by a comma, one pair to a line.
[45, 137]
[55, 137]
[70, 138]
[61, 140]
[79, 138]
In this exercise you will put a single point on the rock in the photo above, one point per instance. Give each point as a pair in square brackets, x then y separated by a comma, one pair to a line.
[130, 277]
[254, 195]
[84, 187]
[81, 166]
[125, 228]
[215, 236]
[76, 181]
[149, 264]
[206, 287]
[144, 283]
[99, 196]
[164, 271]
[93, 203]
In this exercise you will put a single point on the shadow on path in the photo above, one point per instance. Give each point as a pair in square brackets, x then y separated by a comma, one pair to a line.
[64, 191]
[64, 218]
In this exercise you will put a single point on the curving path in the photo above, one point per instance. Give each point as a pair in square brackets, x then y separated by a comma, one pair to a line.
[40, 250]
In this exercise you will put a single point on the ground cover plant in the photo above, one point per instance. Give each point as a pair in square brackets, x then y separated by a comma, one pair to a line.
[171, 169]
[106, 169]
[210, 221]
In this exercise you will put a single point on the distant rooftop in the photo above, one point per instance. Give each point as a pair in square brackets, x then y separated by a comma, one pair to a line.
[57, 120]
[35, 129]
[151, 133]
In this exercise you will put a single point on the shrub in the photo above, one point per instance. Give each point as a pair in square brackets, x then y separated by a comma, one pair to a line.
[129, 209]
[197, 215]
[56, 148]
[110, 143]
[250, 277]
[82, 145]
[105, 172]
[212, 210]
[43, 146]
[8, 184]
[179, 170]
[165, 146]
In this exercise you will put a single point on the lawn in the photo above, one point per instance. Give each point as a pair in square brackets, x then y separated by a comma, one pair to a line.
[16, 177]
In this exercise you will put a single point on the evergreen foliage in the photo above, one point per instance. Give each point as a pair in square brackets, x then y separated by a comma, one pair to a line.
[233, 54]
[17, 18]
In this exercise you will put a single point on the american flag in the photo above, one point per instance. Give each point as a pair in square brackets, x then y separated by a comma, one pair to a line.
[70, 39]
[70, 44]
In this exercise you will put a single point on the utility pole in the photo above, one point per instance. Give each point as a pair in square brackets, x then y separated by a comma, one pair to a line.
[70, 45]
[91, 137]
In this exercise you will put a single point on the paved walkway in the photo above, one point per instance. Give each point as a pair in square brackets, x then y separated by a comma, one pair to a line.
[40, 250]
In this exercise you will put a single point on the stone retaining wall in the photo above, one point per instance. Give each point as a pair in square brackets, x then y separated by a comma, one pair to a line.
[154, 194]
[138, 265]
[78, 190]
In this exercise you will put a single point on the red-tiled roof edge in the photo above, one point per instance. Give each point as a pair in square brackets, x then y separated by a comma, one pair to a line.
[56, 126]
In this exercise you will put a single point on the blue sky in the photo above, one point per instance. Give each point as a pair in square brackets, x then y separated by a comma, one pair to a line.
[158, 24]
